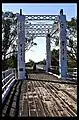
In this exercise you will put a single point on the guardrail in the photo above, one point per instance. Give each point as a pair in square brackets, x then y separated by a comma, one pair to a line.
[8, 79]
[71, 74]
[6, 72]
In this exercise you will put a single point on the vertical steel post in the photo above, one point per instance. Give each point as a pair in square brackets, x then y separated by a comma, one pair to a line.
[62, 46]
[48, 53]
[21, 46]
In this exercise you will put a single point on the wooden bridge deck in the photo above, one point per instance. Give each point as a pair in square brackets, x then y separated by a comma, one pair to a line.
[41, 95]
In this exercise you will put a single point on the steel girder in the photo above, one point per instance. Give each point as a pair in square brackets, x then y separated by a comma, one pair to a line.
[39, 30]
[40, 17]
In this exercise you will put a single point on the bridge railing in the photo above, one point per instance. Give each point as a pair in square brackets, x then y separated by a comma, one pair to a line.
[72, 73]
[8, 78]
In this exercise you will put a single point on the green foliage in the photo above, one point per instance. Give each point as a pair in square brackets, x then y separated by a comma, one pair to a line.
[42, 62]
[72, 23]
[30, 63]
[8, 36]
[9, 21]
[5, 40]
[57, 42]
[72, 53]
[12, 62]
[54, 57]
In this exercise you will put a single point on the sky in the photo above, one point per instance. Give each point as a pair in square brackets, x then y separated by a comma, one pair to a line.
[38, 53]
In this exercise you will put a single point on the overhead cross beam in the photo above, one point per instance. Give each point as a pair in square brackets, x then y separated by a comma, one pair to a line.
[40, 30]
[40, 17]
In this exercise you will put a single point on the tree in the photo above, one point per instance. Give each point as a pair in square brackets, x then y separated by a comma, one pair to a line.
[12, 62]
[71, 41]
[5, 41]
[9, 35]
[55, 57]
[72, 27]
[30, 63]
[43, 62]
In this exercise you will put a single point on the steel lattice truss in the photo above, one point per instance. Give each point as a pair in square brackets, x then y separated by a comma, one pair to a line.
[41, 17]
[40, 30]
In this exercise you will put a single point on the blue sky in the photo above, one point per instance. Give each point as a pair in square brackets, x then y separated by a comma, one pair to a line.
[37, 53]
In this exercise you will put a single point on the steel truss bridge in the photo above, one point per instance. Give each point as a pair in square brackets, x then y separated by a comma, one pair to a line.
[12, 86]
[27, 28]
